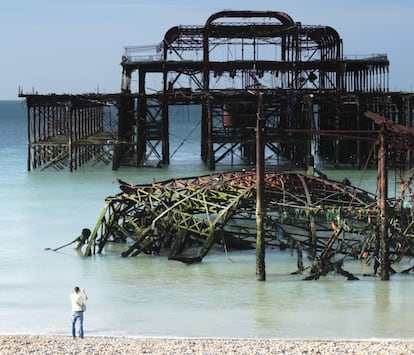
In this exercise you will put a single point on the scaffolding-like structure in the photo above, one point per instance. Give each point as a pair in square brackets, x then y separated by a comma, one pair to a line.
[314, 99]
[67, 131]
[314, 96]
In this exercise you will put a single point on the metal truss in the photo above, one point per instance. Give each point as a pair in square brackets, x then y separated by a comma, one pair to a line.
[185, 218]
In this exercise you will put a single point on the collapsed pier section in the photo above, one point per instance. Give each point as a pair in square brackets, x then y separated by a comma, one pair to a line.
[183, 219]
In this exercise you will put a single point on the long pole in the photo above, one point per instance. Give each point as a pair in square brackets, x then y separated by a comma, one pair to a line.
[260, 187]
[383, 196]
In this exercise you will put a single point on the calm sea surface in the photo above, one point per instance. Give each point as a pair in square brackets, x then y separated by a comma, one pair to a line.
[151, 296]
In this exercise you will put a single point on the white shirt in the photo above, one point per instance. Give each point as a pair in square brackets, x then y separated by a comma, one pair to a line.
[76, 300]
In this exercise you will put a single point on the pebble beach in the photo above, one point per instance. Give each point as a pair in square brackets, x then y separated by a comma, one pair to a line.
[34, 344]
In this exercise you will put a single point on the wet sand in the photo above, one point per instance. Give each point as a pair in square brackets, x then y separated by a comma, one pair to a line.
[34, 344]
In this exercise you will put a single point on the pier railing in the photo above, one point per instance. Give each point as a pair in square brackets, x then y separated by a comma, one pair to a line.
[146, 53]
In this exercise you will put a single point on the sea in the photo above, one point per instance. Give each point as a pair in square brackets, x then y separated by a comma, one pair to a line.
[150, 296]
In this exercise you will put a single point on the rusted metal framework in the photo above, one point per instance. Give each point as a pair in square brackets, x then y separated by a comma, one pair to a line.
[185, 218]
[66, 131]
[306, 81]
[330, 220]
[314, 98]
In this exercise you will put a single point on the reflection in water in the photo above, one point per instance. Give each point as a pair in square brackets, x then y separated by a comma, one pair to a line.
[381, 309]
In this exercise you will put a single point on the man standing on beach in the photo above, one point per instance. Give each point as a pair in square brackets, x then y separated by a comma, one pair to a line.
[77, 299]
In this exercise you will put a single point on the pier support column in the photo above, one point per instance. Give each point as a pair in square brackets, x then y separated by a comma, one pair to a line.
[68, 120]
[141, 123]
[165, 133]
[382, 201]
[207, 143]
[260, 189]
[29, 137]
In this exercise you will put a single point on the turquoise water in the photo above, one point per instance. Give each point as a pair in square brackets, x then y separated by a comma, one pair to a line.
[151, 296]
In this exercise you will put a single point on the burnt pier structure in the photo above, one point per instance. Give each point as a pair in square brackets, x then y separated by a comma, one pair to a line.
[184, 219]
[314, 99]
[67, 131]
[268, 88]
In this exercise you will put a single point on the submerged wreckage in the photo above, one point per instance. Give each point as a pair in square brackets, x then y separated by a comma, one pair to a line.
[330, 220]
[185, 218]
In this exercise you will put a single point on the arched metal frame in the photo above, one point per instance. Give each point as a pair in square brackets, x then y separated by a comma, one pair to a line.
[306, 60]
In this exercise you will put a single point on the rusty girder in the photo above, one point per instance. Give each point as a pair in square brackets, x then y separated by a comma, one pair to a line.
[400, 137]
[162, 209]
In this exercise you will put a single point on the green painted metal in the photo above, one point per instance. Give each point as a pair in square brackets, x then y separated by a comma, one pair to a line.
[184, 218]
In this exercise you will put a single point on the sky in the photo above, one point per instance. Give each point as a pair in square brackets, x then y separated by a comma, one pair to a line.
[75, 46]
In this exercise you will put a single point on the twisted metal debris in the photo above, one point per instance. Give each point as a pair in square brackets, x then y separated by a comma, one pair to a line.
[185, 218]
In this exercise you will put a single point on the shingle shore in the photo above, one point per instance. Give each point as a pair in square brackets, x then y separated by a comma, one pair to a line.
[39, 344]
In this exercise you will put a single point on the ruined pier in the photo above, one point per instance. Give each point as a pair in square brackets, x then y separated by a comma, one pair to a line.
[314, 98]
[269, 89]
